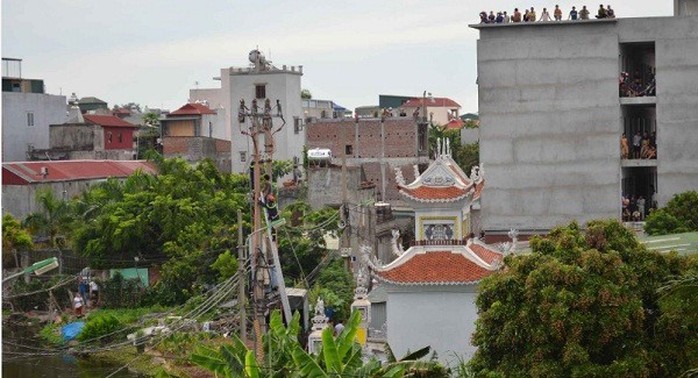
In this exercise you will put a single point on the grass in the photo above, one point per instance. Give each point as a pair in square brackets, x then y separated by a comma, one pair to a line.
[684, 244]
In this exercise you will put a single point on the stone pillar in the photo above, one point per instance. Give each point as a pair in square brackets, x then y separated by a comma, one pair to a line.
[362, 305]
[319, 324]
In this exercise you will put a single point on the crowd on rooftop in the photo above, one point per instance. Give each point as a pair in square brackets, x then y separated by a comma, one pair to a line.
[529, 15]
[644, 146]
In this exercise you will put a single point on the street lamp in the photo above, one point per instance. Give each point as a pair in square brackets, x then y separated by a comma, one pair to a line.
[37, 268]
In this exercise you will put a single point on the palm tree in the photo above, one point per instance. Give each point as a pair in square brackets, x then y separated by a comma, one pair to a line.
[52, 221]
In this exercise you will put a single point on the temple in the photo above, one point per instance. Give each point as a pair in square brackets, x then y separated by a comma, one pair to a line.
[431, 287]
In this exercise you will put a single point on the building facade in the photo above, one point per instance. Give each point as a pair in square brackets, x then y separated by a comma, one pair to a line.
[260, 81]
[27, 113]
[66, 179]
[430, 289]
[551, 123]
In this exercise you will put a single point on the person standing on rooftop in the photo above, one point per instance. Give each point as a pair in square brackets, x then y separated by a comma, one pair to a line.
[517, 16]
[584, 13]
[545, 16]
[573, 14]
[609, 12]
[557, 13]
[532, 15]
[601, 12]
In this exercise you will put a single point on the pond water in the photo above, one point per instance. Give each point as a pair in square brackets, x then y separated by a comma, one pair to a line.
[62, 366]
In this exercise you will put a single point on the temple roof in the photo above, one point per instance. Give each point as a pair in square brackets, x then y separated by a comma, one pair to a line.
[453, 265]
[443, 180]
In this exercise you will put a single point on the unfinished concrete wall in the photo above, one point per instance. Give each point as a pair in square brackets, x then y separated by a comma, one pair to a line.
[549, 124]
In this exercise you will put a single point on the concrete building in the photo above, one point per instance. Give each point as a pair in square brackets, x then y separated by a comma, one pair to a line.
[551, 121]
[261, 80]
[89, 136]
[67, 179]
[319, 109]
[195, 132]
[378, 145]
[430, 289]
[27, 112]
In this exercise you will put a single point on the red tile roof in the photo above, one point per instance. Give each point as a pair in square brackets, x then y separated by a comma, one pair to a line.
[486, 254]
[68, 170]
[435, 267]
[454, 124]
[192, 109]
[478, 189]
[440, 102]
[435, 193]
[107, 120]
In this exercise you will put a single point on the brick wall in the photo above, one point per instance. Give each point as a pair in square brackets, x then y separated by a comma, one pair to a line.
[194, 149]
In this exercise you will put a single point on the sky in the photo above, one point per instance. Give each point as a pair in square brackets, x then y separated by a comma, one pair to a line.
[152, 52]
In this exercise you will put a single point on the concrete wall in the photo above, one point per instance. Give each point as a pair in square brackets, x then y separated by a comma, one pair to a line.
[75, 137]
[441, 317]
[549, 124]
[20, 200]
[16, 135]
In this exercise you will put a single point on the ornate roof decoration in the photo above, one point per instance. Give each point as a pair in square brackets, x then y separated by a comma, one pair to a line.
[443, 181]
[453, 265]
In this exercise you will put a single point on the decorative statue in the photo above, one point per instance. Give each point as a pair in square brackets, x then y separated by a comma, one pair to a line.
[278, 108]
[320, 307]
[267, 107]
[254, 109]
[416, 171]
[398, 176]
[396, 246]
[475, 173]
[242, 110]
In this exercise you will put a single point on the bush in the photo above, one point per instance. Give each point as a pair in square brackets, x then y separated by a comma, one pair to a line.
[118, 292]
[99, 324]
[679, 215]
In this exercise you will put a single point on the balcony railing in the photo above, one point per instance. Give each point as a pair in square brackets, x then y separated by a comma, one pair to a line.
[416, 243]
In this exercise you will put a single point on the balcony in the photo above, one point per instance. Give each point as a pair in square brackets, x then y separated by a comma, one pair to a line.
[444, 242]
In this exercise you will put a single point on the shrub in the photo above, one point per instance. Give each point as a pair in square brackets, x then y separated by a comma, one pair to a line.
[100, 324]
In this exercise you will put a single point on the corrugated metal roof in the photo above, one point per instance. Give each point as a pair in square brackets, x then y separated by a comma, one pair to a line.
[68, 170]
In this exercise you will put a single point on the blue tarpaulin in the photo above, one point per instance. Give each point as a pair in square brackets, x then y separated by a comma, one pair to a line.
[71, 330]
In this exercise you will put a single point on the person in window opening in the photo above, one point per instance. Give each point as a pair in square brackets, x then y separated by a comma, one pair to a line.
[624, 148]
[545, 16]
[584, 13]
[601, 12]
[645, 149]
[637, 141]
[641, 207]
[557, 13]
[573, 14]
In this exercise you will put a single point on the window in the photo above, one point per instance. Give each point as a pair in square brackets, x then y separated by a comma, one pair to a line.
[422, 137]
[30, 118]
[260, 91]
[243, 156]
[120, 138]
[210, 129]
[109, 137]
[197, 129]
[297, 125]
[348, 149]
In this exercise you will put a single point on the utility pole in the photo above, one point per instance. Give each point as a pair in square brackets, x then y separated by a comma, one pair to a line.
[242, 302]
[261, 124]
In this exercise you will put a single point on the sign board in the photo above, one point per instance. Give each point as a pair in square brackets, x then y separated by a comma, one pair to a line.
[320, 154]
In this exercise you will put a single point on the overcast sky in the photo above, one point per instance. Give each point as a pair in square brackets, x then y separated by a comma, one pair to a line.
[153, 51]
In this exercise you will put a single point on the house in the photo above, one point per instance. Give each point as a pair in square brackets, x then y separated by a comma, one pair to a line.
[441, 110]
[91, 104]
[89, 136]
[429, 290]
[261, 80]
[67, 179]
[27, 112]
[551, 124]
[195, 132]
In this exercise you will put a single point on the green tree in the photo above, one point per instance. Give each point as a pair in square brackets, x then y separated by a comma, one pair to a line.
[14, 238]
[679, 215]
[52, 221]
[306, 95]
[465, 155]
[583, 303]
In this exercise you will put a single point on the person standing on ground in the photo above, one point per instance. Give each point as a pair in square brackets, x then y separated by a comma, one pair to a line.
[584, 13]
[557, 13]
[338, 328]
[78, 304]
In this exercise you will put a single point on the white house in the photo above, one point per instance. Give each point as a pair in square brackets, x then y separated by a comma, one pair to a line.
[260, 81]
